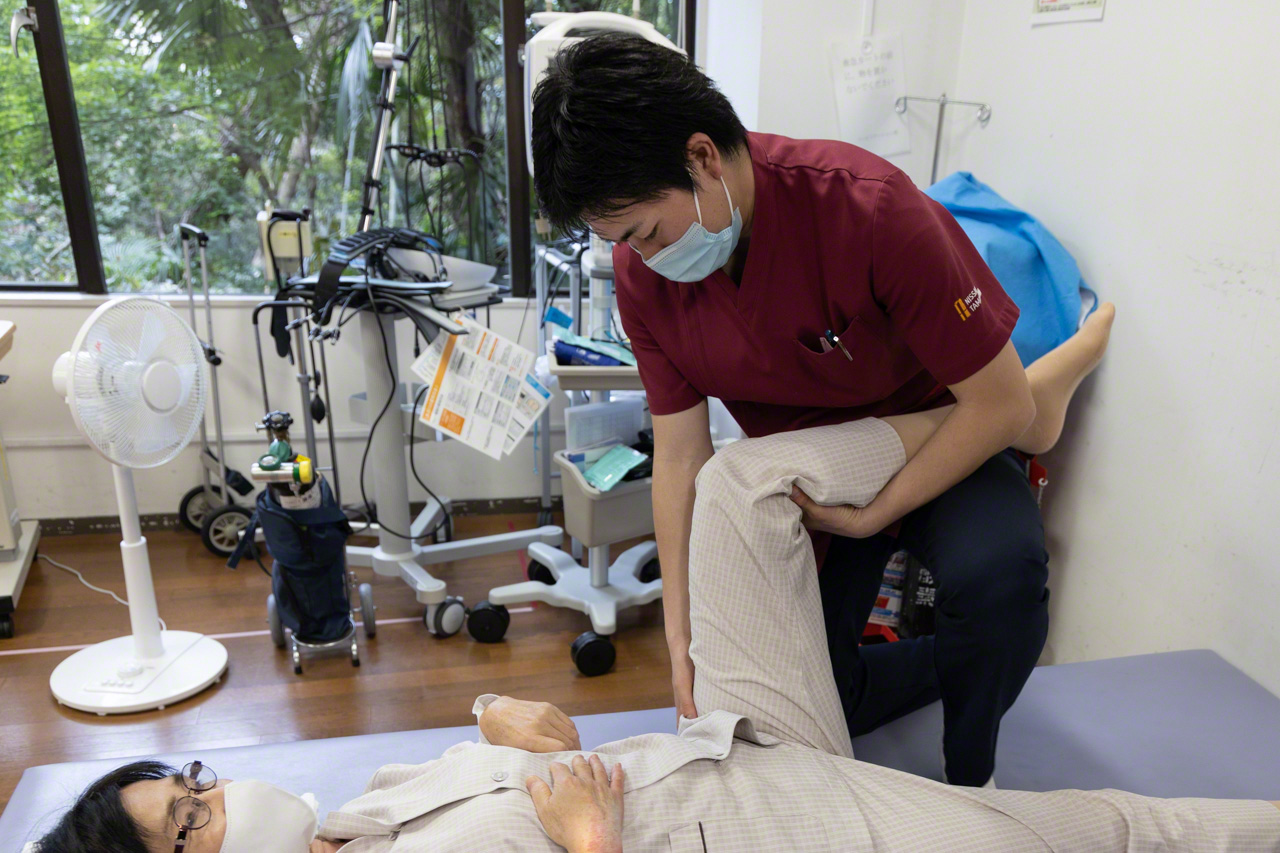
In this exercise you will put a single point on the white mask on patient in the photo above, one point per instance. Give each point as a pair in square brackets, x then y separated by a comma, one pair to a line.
[262, 817]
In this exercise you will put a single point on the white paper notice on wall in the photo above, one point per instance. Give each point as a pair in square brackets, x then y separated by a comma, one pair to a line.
[869, 75]
[1065, 11]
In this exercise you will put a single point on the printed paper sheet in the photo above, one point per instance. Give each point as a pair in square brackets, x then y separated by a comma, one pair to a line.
[481, 389]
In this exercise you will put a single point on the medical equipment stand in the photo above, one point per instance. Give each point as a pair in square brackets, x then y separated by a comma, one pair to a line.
[395, 555]
[984, 116]
[599, 589]
[219, 526]
[18, 539]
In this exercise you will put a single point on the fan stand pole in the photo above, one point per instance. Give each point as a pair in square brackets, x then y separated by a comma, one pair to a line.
[140, 589]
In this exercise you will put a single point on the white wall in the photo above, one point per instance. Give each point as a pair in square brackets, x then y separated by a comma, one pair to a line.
[772, 58]
[57, 475]
[1147, 144]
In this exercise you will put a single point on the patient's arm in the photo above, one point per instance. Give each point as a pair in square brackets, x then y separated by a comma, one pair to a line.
[531, 726]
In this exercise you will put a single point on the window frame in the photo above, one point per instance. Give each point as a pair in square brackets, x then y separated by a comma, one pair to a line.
[68, 153]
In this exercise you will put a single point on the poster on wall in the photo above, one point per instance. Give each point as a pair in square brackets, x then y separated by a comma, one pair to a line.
[1065, 11]
[869, 75]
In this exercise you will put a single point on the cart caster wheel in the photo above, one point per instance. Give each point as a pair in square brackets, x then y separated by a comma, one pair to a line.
[297, 659]
[368, 613]
[6, 627]
[488, 623]
[541, 573]
[196, 504]
[593, 653]
[274, 623]
[355, 654]
[222, 528]
[650, 571]
[297, 670]
[448, 618]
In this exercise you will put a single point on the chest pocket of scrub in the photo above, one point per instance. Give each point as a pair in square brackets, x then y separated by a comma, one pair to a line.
[796, 833]
[864, 376]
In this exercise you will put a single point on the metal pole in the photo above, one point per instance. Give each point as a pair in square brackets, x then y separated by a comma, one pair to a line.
[544, 422]
[191, 300]
[937, 139]
[386, 100]
[213, 375]
[333, 447]
[304, 383]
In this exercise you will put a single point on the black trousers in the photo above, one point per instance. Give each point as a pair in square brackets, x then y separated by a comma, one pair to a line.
[984, 544]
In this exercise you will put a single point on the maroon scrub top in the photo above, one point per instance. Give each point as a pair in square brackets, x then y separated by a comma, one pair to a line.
[842, 240]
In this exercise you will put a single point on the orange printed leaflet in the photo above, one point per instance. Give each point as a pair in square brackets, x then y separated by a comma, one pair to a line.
[481, 389]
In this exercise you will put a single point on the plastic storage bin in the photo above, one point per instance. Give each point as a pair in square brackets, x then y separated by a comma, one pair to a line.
[601, 518]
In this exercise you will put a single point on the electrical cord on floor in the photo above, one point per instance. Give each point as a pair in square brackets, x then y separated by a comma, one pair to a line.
[66, 568]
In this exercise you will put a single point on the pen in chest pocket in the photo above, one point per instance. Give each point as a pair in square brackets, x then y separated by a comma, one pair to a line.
[834, 340]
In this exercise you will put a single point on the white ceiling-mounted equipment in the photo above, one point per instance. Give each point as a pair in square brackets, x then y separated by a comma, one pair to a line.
[135, 383]
[563, 29]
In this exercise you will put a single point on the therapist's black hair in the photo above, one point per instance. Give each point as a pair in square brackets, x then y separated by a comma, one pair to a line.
[611, 121]
[99, 822]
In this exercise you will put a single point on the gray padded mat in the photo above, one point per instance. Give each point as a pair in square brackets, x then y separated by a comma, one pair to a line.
[1180, 724]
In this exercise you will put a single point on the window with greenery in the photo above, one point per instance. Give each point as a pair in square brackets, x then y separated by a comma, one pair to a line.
[207, 111]
[34, 245]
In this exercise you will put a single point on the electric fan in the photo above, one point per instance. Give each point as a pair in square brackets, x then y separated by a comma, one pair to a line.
[135, 382]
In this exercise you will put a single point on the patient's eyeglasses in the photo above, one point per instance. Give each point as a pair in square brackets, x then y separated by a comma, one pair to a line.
[190, 812]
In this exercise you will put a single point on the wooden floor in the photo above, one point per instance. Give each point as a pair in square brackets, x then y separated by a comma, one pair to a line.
[408, 679]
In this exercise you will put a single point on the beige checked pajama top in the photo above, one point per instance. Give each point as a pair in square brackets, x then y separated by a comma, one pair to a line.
[769, 766]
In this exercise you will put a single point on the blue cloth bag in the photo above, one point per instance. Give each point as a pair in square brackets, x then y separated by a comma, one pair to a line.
[1036, 271]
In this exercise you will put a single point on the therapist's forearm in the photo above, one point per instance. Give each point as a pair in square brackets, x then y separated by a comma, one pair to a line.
[971, 434]
[673, 496]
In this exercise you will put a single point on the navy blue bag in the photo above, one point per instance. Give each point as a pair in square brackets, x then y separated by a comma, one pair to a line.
[309, 575]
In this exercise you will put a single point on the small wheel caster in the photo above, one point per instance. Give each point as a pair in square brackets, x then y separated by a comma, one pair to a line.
[297, 670]
[593, 653]
[449, 616]
[368, 613]
[355, 653]
[488, 622]
[6, 627]
[541, 573]
[297, 659]
[196, 504]
[274, 623]
[222, 529]
[650, 571]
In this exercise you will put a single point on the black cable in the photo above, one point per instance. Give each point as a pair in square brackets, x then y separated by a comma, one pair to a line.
[364, 459]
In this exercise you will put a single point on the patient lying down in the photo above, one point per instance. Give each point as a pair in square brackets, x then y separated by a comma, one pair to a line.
[768, 766]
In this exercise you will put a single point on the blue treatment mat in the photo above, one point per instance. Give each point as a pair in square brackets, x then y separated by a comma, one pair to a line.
[1180, 724]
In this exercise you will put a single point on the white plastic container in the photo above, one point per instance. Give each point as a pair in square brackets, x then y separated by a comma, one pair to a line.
[602, 518]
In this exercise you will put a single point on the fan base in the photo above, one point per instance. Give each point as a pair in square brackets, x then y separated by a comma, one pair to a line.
[99, 679]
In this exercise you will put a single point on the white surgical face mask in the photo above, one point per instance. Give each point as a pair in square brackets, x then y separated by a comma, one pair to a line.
[698, 253]
[262, 818]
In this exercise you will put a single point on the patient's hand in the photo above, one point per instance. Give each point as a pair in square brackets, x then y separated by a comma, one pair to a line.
[582, 809]
[531, 726]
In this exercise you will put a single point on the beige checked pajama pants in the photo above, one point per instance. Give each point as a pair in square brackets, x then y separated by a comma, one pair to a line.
[759, 649]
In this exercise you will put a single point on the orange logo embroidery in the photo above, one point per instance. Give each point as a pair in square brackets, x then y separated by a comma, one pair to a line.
[966, 306]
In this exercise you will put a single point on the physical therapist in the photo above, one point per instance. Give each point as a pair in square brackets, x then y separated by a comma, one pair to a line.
[804, 283]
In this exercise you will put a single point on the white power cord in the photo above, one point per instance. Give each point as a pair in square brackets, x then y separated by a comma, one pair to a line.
[66, 568]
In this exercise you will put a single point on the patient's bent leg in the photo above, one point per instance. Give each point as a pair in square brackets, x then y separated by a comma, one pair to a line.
[758, 638]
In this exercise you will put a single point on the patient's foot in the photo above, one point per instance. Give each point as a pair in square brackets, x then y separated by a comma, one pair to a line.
[1055, 377]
